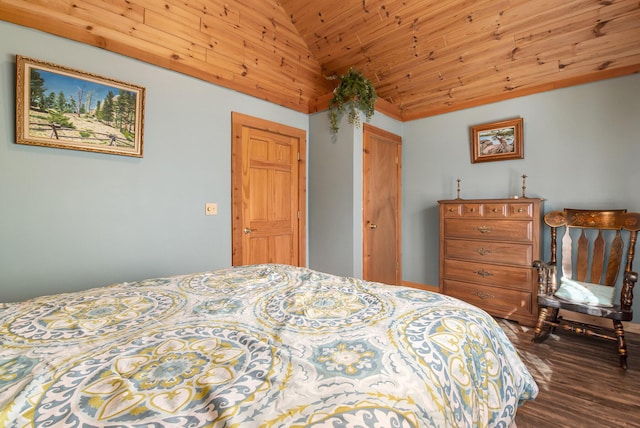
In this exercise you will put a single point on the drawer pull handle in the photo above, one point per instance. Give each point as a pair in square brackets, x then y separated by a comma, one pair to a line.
[520, 210]
[483, 251]
[483, 273]
[483, 295]
[472, 210]
[484, 229]
[495, 210]
[451, 210]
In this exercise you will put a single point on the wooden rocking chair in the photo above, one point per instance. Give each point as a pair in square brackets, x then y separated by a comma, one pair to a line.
[595, 248]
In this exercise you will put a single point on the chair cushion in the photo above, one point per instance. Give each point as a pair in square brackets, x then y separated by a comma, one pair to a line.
[585, 292]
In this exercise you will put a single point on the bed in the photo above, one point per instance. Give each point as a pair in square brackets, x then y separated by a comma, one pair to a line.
[256, 346]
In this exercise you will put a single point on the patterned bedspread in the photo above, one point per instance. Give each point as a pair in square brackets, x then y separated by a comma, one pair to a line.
[256, 346]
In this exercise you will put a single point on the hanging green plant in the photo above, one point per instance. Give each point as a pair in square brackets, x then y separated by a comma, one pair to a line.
[354, 93]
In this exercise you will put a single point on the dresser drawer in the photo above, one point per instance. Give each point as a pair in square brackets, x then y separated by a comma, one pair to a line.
[495, 300]
[522, 210]
[462, 209]
[488, 229]
[495, 210]
[520, 278]
[489, 251]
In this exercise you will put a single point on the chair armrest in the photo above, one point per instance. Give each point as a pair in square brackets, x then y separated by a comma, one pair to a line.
[626, 295]
[547, 279]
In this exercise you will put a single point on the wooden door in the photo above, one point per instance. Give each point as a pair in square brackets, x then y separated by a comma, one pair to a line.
[268, 192]
[382, 206]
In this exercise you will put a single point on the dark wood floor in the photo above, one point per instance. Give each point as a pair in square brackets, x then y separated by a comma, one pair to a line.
[580, 380]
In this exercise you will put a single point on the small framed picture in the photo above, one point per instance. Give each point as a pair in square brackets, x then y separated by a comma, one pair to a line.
[497, 141]
[57, 106]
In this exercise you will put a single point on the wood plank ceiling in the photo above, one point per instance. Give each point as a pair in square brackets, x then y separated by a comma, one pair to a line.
[424, 57]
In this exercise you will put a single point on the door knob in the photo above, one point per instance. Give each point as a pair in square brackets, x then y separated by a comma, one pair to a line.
[247, 230]
[373, 226]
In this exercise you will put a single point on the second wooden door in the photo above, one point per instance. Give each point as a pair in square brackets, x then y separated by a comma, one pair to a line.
[382, 206]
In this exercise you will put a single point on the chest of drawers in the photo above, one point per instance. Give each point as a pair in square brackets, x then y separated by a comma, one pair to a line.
[487, 247]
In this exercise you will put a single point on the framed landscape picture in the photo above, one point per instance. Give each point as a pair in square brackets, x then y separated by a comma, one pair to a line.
[57, 106]
[497, 141]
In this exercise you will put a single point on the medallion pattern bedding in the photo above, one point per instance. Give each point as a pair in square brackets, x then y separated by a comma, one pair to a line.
[256, 346]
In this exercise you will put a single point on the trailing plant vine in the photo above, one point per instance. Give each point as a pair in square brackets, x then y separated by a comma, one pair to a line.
[354, 93]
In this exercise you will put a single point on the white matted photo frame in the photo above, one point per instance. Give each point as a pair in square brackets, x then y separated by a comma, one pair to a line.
[60, 107]
[497, 141]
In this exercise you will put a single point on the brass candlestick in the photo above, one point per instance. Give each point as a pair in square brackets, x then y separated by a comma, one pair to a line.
[524, 186]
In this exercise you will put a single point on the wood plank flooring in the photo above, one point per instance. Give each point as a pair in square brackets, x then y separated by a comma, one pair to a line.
[580, 380]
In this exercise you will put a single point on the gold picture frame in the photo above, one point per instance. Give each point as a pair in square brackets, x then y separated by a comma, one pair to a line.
[60, 107]
[497, 141]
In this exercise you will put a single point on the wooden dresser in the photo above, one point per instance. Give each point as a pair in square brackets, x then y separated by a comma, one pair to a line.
[487, 247]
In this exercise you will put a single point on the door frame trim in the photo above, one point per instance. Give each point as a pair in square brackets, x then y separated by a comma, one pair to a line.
[238, 122]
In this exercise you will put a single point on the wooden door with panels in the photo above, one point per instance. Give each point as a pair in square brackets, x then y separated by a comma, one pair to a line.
[268, 180]
[382, 174]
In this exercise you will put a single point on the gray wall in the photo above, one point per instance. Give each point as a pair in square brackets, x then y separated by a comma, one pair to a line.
[335, 193]
[332, 196]
[581, 150]
[71, 220]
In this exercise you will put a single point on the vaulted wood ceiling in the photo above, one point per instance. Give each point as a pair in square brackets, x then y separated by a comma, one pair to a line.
[424, 57]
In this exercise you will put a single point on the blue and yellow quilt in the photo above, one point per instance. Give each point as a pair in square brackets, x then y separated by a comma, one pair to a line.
[256, 346]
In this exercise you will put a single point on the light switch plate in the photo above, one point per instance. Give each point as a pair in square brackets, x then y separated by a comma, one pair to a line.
[211, 208]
